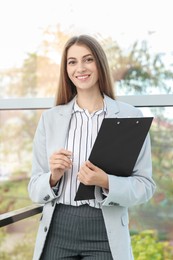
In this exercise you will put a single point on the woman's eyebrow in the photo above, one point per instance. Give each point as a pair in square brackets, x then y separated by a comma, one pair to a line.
[87, 55]
[82, 56]
[71, 58]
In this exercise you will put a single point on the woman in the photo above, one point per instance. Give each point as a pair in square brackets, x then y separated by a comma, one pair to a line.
[87, 229]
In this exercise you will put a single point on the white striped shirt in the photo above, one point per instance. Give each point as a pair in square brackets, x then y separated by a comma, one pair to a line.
[83, 129]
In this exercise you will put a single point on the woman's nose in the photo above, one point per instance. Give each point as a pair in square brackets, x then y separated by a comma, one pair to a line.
[81, 67]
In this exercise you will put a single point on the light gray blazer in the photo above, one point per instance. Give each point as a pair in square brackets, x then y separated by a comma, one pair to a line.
[124, 192]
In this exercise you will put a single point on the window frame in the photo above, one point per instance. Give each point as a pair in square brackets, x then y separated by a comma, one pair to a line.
[163, 100]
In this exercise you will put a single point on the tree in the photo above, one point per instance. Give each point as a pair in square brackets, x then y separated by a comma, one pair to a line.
[138, 70]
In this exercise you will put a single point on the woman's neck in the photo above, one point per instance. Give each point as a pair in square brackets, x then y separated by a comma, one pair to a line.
[90, 102]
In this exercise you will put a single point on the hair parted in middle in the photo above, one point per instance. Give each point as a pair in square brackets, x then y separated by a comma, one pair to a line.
[66, 89]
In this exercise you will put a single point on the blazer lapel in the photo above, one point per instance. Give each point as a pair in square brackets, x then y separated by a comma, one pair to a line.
[112, 107]
[61, 123]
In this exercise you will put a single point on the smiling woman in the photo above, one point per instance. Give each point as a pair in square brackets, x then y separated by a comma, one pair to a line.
[85, 97]
[139, 53]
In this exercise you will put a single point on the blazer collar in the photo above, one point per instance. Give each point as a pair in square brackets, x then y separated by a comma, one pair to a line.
[66, 110]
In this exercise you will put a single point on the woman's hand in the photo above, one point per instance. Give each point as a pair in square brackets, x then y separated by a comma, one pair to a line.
[89, 174]
[60, 161]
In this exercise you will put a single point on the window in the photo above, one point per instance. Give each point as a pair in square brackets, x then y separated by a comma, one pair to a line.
[139, 49]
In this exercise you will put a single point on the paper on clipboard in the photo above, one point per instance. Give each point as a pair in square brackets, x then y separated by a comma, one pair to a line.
[116, 148]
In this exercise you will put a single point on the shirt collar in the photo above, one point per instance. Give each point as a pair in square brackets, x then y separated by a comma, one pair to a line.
[76, 108]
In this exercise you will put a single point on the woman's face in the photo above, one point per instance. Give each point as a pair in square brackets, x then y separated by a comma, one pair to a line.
[81, 68]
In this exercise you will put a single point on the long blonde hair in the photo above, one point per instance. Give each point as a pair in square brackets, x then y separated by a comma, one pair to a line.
[66, 89]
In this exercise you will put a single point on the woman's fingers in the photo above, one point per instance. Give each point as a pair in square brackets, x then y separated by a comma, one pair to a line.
[61, 158]
[59, 162]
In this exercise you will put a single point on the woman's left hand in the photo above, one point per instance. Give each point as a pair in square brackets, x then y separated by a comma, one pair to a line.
[89, 174]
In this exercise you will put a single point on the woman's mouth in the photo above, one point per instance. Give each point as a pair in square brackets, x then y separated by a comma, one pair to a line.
[82, 77]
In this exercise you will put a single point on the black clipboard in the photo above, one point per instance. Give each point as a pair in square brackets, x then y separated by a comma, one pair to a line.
[116, 148]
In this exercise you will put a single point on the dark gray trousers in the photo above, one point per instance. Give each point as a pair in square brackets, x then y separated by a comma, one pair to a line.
[77, 233]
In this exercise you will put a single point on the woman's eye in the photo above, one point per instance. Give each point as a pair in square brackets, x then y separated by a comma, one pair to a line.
[88, 60]
[71, 62]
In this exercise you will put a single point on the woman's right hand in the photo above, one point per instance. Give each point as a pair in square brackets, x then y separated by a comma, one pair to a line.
[60, 161]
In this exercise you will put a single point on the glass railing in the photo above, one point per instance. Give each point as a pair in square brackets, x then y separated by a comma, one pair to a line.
[19, 218]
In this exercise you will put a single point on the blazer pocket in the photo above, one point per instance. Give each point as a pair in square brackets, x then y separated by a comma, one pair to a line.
[125, 220]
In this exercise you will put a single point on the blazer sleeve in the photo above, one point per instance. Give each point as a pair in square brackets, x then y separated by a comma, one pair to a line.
[39, 188]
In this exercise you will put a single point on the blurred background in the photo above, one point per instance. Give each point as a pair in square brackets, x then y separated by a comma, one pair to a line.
[136, 36]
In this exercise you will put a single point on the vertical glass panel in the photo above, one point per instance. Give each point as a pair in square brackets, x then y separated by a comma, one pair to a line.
[157, 214]
[16, 137]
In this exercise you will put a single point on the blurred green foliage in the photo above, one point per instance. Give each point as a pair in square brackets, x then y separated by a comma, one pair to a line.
[146, 246]
[14, 195]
